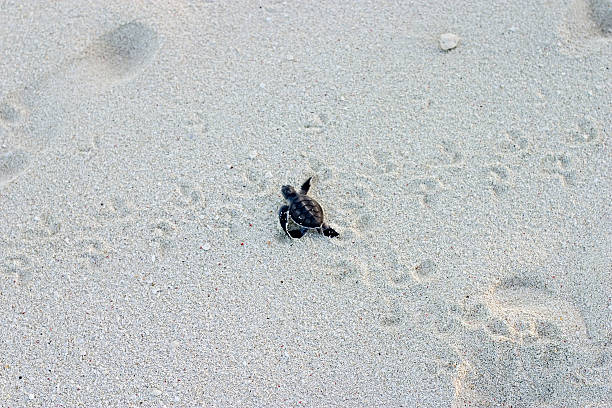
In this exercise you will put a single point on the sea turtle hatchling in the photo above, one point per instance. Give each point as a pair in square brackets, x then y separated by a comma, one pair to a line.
[302, 214]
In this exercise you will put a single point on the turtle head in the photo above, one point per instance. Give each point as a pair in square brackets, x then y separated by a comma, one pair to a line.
[288, 192]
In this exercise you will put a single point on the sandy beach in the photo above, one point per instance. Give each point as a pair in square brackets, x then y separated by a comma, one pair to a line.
[461, 150]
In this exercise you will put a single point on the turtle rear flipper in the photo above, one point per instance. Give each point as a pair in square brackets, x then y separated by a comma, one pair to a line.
[306, 186]
[297, 233]
[328, 231]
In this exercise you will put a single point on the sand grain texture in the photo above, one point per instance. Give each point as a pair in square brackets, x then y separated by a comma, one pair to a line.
[142, 151]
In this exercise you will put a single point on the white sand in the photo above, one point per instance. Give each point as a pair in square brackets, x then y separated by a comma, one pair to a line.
[142, 150]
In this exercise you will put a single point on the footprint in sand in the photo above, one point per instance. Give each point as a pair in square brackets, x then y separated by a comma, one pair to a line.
[12, 164]
[512, 335]
[47, 227]
[188, 196]
[401, 275]
[449, 155]
[33, 118]
[162, 235]
[19, 267]
[514, 145]
[587, 27]
[499, 176]
[532, 310]
[93, 250]
[121, 53]
[559, 164]
[389, 312]
[586, 132]
[316, 123]
[384, 163]
[426, 189]
[114, 208]
[324, 172]
[347, 272]
[521, 309]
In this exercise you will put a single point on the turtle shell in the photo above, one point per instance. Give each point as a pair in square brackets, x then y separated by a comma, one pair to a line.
[306, 212]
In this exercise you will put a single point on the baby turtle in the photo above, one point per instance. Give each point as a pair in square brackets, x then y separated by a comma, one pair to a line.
[303, 213]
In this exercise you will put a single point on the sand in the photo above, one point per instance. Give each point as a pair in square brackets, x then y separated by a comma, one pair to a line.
[142, 151]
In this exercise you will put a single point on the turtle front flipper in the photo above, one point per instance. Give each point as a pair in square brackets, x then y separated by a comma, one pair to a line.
[283, 216]
[306, 186]
[328, 231]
